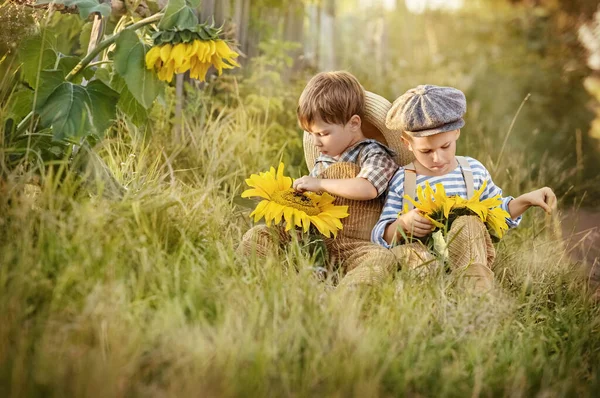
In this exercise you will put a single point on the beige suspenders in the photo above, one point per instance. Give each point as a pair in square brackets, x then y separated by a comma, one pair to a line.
[467, 175]
[410, 179]
[410, 183]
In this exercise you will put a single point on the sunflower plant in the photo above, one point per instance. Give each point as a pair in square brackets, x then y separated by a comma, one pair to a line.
[281, 204]
[124, 69]
[442, 209]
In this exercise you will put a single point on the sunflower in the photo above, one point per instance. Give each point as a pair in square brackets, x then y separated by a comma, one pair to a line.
[197, 56]
[441, 209]
[282, 203]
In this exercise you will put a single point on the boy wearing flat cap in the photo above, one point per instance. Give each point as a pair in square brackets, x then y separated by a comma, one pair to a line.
[430, 118]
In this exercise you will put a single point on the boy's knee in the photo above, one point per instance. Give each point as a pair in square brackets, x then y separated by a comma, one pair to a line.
[468, 224]
[469, 241]
[259, 241]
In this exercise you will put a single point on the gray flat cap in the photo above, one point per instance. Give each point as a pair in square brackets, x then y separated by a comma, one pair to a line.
[427, 110]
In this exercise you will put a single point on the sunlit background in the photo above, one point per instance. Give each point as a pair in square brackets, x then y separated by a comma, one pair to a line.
[537, 56]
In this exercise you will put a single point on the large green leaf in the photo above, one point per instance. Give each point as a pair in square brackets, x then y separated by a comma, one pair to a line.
[30, 53]
[75, 111]
[131, 107]
[85, 7]
[103, 101]
[131, 65]
[49, 81]
[178, 14]
[21, 103]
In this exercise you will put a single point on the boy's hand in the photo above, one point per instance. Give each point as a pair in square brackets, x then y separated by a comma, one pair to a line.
[544, 198]
[413, 223]
[307, 183]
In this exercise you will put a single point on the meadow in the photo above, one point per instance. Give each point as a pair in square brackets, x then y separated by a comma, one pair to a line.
[131, 286]
[145, 296]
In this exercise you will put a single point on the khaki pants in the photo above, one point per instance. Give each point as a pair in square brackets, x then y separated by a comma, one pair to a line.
[362, 262]
[470, 253]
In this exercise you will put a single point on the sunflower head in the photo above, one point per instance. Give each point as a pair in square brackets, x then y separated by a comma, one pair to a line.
[281, 203]
[178, 50]
[442, 210]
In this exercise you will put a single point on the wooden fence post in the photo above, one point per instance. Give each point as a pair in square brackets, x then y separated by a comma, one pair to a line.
[326, 48]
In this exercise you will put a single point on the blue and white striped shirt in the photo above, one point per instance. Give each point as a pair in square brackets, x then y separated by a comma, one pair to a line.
[454, 184]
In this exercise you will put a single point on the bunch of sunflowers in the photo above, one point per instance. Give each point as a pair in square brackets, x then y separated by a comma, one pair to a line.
[441, 209]
[281, 203]
[196, 50]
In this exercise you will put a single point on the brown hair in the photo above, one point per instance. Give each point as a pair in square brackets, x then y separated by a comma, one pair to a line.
[332, 96]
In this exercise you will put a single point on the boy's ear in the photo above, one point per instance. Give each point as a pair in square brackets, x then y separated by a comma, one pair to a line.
[406, 143]
[355, 122]
[457, 133]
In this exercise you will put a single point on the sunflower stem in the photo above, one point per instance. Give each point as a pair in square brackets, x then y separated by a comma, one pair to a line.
[107, 42]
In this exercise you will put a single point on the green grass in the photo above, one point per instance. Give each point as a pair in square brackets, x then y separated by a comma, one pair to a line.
[145, 295]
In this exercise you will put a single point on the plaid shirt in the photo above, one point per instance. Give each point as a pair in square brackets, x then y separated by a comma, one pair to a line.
[374, 159]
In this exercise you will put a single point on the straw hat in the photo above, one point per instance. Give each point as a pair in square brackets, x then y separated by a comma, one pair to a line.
[373, 126]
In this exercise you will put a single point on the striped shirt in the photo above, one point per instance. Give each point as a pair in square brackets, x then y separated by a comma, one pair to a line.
[454, 184]
[374, 159]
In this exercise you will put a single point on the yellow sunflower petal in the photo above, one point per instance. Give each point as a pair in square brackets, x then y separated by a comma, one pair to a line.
[305, 221]
[178, 54]
[434, 222]
[288, 214]
[152, 56]
[165, 52]
[248, 193]
[337, 211]
[259, 212]
[280, 177]
[332, 220]
[321, 225]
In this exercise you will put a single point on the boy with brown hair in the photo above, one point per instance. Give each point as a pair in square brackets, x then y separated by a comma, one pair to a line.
[344, 147]
[430, 118]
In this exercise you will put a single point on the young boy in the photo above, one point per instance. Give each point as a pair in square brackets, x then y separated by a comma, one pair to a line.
[430, 118]
[339, 118]
[331, 110]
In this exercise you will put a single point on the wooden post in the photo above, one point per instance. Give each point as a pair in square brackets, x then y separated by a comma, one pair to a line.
[294, 32]
[222, 11]
[326, 48]
[95, 37]
[179, 102]
[312, 36]
[241, 18]
[207, 11]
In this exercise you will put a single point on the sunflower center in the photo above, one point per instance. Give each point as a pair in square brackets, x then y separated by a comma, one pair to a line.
[297, 200]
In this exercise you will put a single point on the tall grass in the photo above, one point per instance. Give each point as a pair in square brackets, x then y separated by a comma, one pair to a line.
[146, 296]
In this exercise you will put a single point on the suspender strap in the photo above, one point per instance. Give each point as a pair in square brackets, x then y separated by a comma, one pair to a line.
[410, 183]
[410, 179]
[467, 175]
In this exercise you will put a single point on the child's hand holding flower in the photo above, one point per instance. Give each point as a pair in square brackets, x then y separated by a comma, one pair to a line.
[307, 183]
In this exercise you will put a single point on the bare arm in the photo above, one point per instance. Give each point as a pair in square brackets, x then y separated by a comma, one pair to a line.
[543, 197]
[349, 188]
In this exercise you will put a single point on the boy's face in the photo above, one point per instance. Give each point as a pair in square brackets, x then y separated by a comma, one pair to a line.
[334, 139]
[436, 152]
